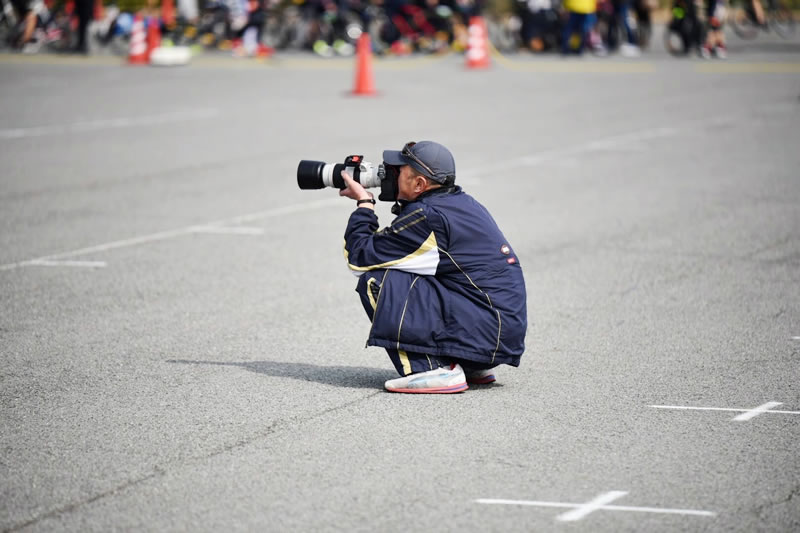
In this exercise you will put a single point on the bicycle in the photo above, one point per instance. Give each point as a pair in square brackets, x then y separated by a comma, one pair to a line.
[285, 26]
[8, 23]
[745, 24]
[685, 32]
[55, 29]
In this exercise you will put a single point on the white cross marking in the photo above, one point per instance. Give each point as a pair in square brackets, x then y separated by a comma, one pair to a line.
[752, 413]
[580, 510]
[747, 414]
[590, 507]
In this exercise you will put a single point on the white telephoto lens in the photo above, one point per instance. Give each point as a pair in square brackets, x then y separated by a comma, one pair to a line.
[327, 174]
[368, 175]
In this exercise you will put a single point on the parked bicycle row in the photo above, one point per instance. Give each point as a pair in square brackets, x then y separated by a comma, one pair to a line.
[700, 27]
[331, 27]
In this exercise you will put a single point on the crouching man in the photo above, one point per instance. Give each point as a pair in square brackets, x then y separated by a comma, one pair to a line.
[441, 284]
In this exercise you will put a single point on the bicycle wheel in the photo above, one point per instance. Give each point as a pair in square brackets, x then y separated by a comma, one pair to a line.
[782, 21]
[504, 33]
[8, 26]
[675, 43]
[274, 32]
[742, 20]
[381, 32]
[59, 33]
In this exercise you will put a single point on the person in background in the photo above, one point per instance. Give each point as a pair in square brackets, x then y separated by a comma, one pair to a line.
[580, 19]
[539, 24]
[27, 11]
[188, 11]
[715, 37]
[629, 48]
[84, 9]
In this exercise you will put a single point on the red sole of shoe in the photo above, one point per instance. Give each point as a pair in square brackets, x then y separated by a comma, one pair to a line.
[482, 381]
[447, 390]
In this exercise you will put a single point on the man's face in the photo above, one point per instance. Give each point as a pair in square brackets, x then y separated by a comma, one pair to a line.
[409, 183]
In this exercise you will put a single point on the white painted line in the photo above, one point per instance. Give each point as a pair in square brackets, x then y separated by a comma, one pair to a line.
[106, 124]
[687, 408]
[164, 235]
[532, 503]
[589, 507]
[229, 230]
[101, 247]
[87, 264]
[752, 413]
[622, 141]
[621, 508]
[796, 338]
[611, 143]
[658, 510]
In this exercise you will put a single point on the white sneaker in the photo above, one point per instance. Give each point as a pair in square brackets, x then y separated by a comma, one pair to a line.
[600, 50]
[629, 50]
[444, 380]
[480, 377]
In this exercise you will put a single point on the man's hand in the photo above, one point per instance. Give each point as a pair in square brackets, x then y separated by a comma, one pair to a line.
[354, 190]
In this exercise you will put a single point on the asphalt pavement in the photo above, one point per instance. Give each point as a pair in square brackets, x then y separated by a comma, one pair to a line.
[183, 349]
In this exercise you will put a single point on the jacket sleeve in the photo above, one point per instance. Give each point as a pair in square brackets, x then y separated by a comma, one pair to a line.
[408, 244]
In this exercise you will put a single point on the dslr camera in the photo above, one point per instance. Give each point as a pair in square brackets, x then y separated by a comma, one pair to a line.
[318, 175]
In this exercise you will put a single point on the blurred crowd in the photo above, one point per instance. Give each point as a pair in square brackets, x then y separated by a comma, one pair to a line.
[331, 27]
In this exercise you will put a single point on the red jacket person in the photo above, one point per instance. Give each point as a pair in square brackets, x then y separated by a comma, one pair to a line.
[441, 284]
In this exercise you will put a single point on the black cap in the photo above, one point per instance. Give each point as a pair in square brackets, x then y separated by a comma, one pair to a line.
[438, 159]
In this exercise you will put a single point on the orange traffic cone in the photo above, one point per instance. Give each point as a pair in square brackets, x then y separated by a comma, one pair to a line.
[477, 44]
[364, 84]
[168, 12]
[153, 35]
[137, 51]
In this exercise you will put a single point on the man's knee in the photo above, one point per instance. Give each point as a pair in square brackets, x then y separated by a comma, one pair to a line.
[369, 289]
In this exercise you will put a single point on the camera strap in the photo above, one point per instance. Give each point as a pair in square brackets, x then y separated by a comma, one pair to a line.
[355, 161]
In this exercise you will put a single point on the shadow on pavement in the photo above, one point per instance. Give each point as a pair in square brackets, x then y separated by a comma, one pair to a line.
[339, 376]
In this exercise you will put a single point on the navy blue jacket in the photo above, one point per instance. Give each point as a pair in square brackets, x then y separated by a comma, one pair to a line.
[450, 283]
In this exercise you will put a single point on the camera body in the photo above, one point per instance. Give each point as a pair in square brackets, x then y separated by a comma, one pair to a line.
[318, 175]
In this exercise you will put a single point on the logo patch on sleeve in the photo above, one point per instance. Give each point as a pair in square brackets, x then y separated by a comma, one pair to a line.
[505, 249]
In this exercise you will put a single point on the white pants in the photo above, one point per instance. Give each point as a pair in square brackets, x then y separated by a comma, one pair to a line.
[188, 9]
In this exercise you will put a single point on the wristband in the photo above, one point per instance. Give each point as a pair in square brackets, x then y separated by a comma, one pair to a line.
[366, 200]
